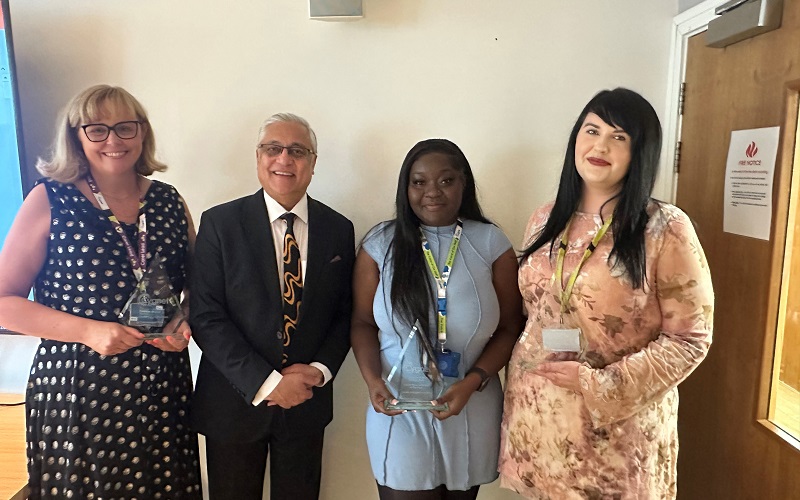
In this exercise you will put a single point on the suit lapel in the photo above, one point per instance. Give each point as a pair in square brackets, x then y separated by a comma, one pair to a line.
[258, 235]
[317, 236]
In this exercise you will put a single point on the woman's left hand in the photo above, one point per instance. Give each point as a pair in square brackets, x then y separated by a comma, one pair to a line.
[561, 373]
[178, 340]
[456, 397]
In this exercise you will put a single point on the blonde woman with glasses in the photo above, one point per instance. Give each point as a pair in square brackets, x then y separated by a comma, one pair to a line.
[108, 396]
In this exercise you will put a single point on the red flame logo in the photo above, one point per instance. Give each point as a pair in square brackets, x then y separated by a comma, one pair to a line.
[751, 150]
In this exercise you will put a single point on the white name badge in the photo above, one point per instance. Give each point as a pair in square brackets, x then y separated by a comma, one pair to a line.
[562, 339]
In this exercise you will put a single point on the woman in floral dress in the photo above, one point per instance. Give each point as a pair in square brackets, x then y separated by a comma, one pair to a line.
[620, 306]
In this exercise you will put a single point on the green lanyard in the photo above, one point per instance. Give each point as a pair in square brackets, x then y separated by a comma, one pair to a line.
[441, 279]
[562, 252]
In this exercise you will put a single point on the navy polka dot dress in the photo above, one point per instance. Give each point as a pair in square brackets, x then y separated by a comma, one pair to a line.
[104, 427]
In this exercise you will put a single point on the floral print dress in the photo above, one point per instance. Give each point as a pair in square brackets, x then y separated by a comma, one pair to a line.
[617, 438]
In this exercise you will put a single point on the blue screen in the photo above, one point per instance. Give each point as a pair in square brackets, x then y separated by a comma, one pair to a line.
[10, 181]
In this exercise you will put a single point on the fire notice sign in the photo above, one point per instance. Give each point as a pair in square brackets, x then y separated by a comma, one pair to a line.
[748, 182]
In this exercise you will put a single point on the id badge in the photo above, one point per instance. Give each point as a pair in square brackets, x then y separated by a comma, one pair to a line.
[447, 362]
[562, 339]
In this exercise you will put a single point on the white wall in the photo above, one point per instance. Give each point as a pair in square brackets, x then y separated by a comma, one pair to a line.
[504, 80]
[687, 4]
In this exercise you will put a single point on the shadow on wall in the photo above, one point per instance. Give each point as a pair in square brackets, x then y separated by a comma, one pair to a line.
[39, 123]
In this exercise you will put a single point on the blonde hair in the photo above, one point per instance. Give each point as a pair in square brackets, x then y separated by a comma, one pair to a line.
[68, 162]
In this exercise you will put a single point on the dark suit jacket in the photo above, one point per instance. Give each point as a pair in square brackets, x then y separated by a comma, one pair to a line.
[236, 316]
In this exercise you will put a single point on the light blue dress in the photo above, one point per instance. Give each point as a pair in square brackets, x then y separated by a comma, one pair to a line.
[415, 451]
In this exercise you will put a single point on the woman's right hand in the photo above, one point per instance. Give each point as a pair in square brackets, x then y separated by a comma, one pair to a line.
[109, 338]
[379, 394]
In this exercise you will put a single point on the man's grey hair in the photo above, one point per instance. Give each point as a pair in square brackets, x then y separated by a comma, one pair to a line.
[288, 118]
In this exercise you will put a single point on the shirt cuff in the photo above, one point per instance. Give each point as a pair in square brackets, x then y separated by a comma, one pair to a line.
[326, 374]
[267, 387]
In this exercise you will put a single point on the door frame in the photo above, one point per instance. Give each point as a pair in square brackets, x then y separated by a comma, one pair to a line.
[684, 26]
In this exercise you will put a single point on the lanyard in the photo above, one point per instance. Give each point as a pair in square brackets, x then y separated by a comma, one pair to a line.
[441, 279]
[562, 252]
[137, 264]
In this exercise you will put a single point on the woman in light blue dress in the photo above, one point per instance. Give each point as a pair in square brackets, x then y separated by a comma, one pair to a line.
[401, 275]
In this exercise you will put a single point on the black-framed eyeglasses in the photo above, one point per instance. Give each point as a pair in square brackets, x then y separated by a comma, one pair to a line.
[99, 132]
[296, 152]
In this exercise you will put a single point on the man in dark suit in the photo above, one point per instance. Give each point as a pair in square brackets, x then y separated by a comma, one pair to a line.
[270, 308]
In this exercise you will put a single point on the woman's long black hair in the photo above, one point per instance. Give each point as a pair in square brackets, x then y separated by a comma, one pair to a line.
[411, 295]
[632, 113]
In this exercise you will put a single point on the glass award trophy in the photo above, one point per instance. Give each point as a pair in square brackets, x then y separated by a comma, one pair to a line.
[153, 303]
[415, 379]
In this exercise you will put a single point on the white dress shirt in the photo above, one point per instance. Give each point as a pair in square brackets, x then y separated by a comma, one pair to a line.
[278, 226]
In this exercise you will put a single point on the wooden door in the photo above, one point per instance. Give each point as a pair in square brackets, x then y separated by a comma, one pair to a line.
[725, 453]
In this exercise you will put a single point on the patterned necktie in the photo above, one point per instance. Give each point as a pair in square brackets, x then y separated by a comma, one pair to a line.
[292, 283]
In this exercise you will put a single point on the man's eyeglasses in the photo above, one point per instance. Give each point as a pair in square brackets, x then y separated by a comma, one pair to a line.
[296, 152]
[99, 132]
